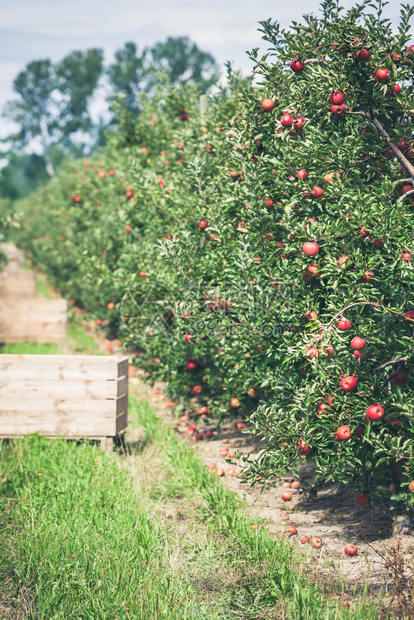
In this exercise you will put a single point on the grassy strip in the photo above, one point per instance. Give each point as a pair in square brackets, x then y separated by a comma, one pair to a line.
[272, 579]
[151, 534]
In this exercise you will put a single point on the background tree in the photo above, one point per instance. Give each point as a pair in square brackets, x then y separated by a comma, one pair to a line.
[127, 73]
[53, 102]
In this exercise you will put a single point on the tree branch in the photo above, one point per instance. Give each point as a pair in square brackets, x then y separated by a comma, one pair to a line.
[401, 359]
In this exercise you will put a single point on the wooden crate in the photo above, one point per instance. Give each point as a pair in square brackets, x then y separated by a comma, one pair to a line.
[33, 320]
[18, 283]
[74, 396]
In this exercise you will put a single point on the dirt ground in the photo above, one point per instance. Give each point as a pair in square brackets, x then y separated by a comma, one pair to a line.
[332, 515]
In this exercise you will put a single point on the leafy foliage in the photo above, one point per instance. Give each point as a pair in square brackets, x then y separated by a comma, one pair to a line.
[198, 239]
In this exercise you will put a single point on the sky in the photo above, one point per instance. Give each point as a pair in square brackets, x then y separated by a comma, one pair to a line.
[37, 29]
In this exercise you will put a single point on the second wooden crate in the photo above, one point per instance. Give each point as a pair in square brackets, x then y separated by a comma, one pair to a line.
[78, 396]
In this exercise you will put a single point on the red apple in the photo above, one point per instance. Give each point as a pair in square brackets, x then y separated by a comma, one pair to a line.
[202, 224]
[368, 275]
[363, 55]
[291, 530]
[375, 412]
[297, 66]
[310, 248]
[312, 316]
[362, 500]
[357, 354]
[342, 260]
[378, 243]
[313, 269]
[191, 366]
[234, 175]
[287, 496]
[234, 403]
[337, 98]
[303, 449]
[358, 343]
[363, 231]
[287, 120]
[406, 257]
[199, 436]
[304, 540]
[344, 324]
[269, 204]
[302, 174]
[197, 390]
[323, 408]
[317, 192]
[253, 393]
[348, 384]
[187, 337]
[111, 305]
[359, 431]
[299, 122]
[351, 550]
[397, 89]
[328, 349]
[268, 105]
[343, 433]
[128, 228]
[339, 110]
[295, 484]
[411, 486]
[400, 378]
[316, 542]
[382, 76]
[311, 353]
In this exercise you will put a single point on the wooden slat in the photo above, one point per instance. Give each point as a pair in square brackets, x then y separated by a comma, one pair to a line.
[18, 284]
[121, 422]
[122, 367]
[122, 386]
[33, 320]
[34, 389]
[56, 367]
[122, 404]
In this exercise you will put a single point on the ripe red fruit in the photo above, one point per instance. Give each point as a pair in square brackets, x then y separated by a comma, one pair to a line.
[312, 316]
[400, 378]
[287, 496]
[299, 122]
[351, 550]
[268, 105]
[111, 305]
[199, 436]
[359, 431]
[197, 390]
[363, 55]
[234, 403]
[348, 384]
[291, 530]
[338, 110]
[397, 89]
[142, 275]
[202, 224]
[357, 354]
[191, 366]
[362, 500]
[358, 343]
[101, 175]
[310, 248]
[302, 174]
[311, 353]
[287, 120]
[187, 337]
[297, 66]
[344, 324]
[128, 229]
[378, 243]
[253, 393]
[406, 257]
[406, 188]
[317, 192]
[409, 316]
[304, 540]
[375, 412]
[328, 349]
[367, 276]
[268, 204]
[323, 408]
[302, 448]
[382, 76]
[363, 231]
[411, 486]
[316, 542]
[342, 260]
[313, 269]
[337, 98]
[239, 425]
[234, 175]
[343, 433]
[295, 484]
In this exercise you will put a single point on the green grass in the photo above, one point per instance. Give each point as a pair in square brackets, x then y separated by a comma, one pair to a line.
[30, 347]
[146, 534]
